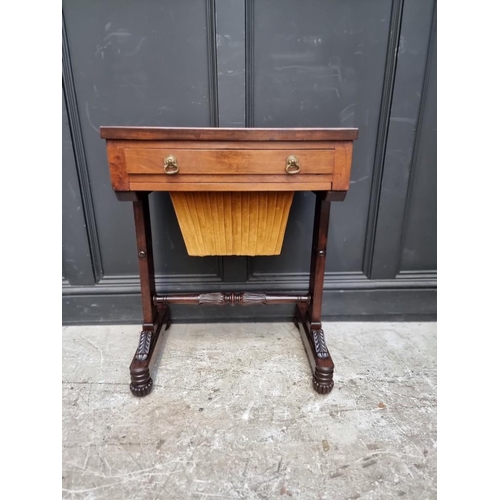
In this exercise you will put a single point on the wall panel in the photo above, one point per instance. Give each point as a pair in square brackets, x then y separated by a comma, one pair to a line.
[265, 64]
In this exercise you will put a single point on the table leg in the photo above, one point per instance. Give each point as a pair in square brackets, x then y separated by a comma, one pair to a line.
[154, 318]
[308, 317]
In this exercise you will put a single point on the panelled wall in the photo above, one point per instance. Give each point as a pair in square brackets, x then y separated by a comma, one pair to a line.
[255, 63]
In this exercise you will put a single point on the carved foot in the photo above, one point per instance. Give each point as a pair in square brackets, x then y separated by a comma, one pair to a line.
[323, 380]
[141, 383]
[314, 342]
[296, 322]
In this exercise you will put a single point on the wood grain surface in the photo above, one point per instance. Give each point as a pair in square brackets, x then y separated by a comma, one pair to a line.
[256, 185]
[233, 162]
[233, 134]
[228, 160]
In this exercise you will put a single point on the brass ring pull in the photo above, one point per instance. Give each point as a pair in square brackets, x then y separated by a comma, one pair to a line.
[170, 165]
[292, 165]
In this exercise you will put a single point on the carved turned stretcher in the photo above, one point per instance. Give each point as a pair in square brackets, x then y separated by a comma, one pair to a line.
[232, 190]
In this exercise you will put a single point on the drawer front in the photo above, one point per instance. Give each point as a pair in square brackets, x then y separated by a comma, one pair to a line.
[212, 162]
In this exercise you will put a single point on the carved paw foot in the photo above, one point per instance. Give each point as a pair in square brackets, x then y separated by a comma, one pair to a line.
[323, 380]
[141, 383]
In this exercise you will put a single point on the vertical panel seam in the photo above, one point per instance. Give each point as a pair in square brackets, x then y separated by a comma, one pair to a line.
[382, 133]
[80, 157]
[418, 134]
[213, 87]
[249, 63]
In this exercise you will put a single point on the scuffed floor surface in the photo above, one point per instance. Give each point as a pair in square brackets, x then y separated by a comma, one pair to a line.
[233, 414]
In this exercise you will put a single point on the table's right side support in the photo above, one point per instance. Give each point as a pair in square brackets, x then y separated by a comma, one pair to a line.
[308, 317]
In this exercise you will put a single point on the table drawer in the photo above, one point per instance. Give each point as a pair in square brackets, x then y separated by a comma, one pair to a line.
[212, 162]
[228, 159]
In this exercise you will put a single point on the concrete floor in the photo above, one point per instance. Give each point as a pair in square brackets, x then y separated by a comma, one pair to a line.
[233, 414]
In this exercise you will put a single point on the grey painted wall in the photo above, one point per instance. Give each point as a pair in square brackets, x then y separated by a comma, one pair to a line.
[234, 63]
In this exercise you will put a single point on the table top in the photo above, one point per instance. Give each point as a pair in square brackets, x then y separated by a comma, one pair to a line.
[226, 134]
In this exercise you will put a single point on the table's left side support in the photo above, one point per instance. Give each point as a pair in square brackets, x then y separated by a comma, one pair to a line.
[155, 319]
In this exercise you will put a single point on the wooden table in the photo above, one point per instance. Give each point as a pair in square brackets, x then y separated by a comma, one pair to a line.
[226, 177]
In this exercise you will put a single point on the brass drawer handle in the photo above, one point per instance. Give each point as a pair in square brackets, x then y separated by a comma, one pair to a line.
[170, 165]
[292, 165]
